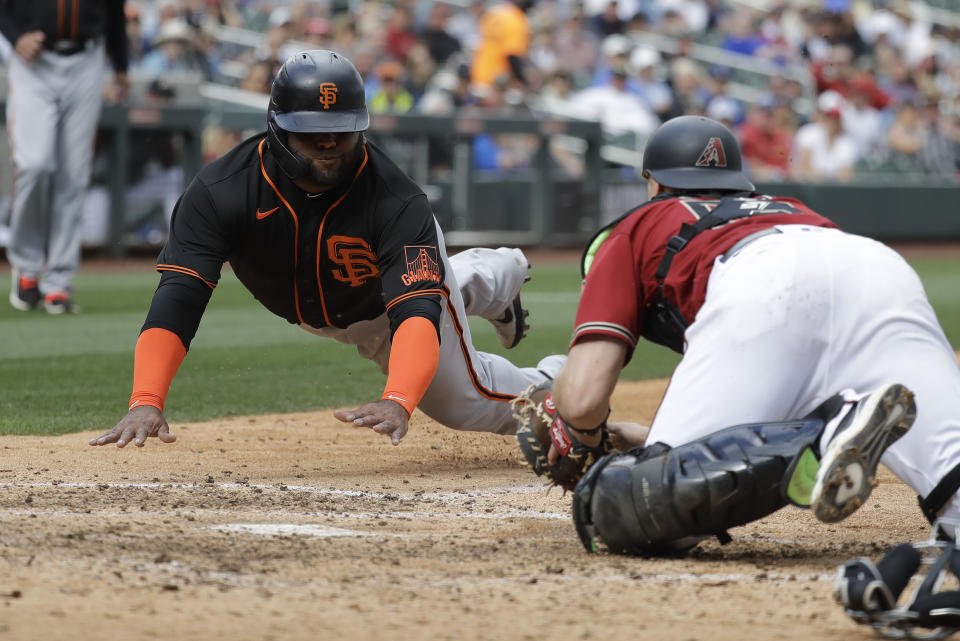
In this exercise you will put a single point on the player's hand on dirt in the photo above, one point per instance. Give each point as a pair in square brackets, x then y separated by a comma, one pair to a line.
[624, 434]
[139, 424]
[29, 45]
[383, 417]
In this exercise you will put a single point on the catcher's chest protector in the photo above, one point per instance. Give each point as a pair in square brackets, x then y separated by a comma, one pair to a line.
[657, 499]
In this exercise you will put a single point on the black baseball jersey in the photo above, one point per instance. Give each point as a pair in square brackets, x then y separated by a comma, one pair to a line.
[71, 23]
[327, 260]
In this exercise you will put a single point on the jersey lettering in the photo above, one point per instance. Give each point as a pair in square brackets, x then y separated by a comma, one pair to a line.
[422, 264]
[357, 262]
[712, 155]
[700, 207]
[328, 94]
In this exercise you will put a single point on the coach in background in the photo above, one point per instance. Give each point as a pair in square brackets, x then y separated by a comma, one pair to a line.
[56, 73]
[329, 234]
[803, 347]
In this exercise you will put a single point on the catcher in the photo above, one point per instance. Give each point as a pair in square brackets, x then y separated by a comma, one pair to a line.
[803, 347]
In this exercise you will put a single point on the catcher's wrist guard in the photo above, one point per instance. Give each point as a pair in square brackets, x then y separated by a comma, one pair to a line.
[540, 426]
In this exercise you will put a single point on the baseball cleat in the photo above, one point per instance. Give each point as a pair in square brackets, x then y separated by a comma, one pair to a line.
[24, 292]
[848, 468]
[512, 327]
[60, 303]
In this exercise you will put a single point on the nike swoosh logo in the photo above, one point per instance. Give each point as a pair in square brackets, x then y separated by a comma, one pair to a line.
[394, 397]
[263, 214]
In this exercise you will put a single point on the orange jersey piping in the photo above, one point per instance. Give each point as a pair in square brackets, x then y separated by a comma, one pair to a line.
[494, 396]
[188, 272]
[61, 9]
[75, 20]
[296, 231]
[323, 302]
[422, 292]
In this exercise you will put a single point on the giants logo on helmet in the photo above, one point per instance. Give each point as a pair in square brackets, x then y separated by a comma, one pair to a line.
[712, 155]
[328, 94]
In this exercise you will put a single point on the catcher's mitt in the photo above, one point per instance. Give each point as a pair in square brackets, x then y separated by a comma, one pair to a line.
[540, 426]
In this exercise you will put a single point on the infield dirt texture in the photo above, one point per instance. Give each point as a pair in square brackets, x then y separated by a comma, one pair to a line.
[300, 527]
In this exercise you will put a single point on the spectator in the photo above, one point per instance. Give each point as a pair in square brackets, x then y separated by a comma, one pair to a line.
[906, 138]
[316, 32]
[689, 17]
[173, 51]
[399, 33]
[690, 93]
[720, 77]
[420, 69]
[258, 78]
[607, 22]
[440, 44]
[742, 35]
[765, 143]
[645, 64]
[465, 25]
[504, 40]
[822, 150]
[577, 48]
[864, 122]
[618, 110]
[940, 155]
[391, 97]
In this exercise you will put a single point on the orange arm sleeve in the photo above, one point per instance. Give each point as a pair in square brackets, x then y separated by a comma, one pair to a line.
[414, 357]
[156, 359]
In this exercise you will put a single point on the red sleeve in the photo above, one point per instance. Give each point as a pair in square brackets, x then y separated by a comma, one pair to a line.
[609, 302]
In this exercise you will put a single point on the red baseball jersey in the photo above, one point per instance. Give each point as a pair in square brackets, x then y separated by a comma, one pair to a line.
[621, 282]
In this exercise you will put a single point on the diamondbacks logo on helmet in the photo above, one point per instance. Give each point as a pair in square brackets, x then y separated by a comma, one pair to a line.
[712, 155]
[328, 94]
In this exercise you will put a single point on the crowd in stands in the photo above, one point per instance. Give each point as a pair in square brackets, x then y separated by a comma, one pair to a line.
[866, 85]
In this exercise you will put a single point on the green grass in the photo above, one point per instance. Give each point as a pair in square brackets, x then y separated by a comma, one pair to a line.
[69, 373]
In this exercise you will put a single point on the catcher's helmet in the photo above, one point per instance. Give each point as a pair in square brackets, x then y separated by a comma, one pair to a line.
[693, 152]
[314, 91]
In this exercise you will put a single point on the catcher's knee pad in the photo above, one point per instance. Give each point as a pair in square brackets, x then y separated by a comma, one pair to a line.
[658, 499]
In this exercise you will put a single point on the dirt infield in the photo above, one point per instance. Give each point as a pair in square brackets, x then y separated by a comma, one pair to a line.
[299, 527]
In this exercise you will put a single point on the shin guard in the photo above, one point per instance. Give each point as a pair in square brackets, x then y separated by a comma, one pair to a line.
[659, 499]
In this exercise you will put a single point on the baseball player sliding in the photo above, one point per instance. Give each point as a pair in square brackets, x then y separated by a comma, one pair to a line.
[803, 347]
[329, 234]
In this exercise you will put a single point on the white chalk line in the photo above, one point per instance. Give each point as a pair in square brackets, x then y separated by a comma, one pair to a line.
[453, 496]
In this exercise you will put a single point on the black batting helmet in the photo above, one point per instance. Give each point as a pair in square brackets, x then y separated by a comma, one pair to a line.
[314, 91]
[693, 152]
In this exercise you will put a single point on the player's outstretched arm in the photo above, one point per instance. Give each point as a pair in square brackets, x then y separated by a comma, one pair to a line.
[383, 417]
[140, 423]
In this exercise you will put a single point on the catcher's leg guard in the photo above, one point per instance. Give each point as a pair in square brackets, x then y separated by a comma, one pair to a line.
[658, 499]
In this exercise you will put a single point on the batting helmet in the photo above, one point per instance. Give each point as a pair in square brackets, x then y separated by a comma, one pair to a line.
[314, 91]
[693, 152]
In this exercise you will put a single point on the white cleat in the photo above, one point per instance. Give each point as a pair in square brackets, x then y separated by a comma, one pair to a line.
[848, 468]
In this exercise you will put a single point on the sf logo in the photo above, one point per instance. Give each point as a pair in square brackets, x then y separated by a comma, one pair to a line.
[328, 94]
[356, 262]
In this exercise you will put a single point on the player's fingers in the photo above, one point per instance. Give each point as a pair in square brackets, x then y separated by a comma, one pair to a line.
[141, 436]
[109, 437]
[125, 436]
[165, 435]
[345, 416]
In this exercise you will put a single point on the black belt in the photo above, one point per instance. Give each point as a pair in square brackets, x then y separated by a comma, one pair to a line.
[68, 47]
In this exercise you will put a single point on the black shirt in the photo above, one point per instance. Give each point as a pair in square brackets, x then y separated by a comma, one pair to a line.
[77, 21]
[328, 261]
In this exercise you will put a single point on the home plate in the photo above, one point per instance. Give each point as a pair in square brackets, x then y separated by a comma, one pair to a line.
[287, 529]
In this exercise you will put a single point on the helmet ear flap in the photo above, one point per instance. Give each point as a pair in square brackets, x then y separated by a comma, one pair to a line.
[293, 164]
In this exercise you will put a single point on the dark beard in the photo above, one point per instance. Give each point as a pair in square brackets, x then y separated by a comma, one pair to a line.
[330, 178]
